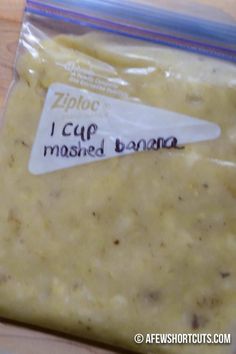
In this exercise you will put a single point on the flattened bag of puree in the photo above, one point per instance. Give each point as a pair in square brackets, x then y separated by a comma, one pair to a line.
[103, 243]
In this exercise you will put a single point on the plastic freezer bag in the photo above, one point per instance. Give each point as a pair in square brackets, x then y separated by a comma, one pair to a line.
[118, 189]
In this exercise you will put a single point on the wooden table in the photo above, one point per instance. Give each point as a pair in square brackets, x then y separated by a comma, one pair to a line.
[16, 340]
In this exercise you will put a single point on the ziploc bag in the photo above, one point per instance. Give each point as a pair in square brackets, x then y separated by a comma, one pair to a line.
[117, 183]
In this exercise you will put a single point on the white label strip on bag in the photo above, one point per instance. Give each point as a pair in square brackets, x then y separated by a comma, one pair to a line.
[79, 127]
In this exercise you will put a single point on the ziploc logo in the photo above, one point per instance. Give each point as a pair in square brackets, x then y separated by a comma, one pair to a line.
[79, 127]
[67, 102]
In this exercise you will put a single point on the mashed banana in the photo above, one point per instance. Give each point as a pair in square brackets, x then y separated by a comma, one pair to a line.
[144, 243]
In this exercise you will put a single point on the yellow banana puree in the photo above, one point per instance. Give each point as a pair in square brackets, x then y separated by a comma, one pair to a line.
[143, 243]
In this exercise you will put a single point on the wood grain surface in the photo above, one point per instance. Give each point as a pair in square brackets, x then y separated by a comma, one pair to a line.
[18, 340]
[14, 339]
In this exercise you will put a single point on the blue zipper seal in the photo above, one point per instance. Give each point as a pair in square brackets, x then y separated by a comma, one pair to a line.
[162, 27]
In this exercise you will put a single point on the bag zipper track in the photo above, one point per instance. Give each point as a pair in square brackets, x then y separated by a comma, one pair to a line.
[159, 26]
